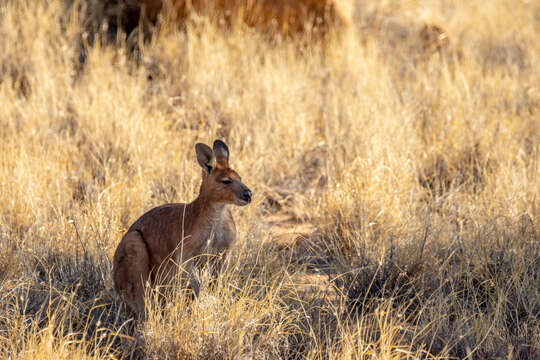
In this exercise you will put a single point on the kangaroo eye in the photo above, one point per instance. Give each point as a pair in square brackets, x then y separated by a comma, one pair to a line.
[226, 181]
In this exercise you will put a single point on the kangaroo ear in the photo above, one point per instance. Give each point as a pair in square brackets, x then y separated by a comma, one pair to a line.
[222, 152]
[205, 157]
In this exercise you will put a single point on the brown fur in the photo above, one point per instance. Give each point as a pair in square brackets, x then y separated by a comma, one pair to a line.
[282, 16]
[433, 38]
[172, 235]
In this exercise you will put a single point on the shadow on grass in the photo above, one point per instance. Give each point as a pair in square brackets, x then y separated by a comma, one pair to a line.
[73, 296]
[461, 298]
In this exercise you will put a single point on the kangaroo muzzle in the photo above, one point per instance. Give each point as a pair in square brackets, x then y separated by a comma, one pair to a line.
[245, 196]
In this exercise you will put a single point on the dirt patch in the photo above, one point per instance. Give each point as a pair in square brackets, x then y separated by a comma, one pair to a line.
[294, 236]
[287, 230]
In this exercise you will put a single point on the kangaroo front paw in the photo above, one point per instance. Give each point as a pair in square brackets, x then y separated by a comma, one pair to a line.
[195, 285]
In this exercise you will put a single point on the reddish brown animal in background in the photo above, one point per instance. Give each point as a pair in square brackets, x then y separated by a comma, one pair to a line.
[433, 38]
[172, 235]
[281, 16]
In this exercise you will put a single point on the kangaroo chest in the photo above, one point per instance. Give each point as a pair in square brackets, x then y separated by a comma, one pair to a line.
[216, 236]
[211, 236]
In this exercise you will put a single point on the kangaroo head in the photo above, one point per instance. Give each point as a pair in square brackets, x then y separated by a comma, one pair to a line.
[220, 183]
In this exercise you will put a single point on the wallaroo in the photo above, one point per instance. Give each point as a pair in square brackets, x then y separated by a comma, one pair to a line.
[171, 236]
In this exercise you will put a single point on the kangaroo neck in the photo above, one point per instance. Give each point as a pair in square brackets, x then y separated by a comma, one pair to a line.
[206, 211]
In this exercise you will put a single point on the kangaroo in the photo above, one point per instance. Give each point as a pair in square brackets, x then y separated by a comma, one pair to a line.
[172, 235]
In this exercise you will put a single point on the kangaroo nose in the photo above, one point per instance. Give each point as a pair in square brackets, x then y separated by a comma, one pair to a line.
[246, 195]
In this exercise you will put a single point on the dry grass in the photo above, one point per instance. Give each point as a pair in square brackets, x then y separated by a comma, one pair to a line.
[417, 166]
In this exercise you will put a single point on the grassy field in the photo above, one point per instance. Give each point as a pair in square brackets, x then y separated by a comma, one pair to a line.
[396, 183]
